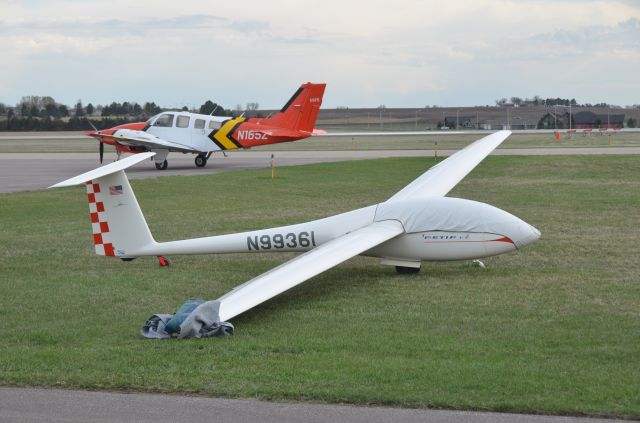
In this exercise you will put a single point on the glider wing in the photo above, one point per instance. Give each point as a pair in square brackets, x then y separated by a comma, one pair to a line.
[305, 266]
[441, 178]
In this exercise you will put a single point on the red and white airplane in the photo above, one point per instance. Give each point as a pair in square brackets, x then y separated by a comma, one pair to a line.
[203, 135]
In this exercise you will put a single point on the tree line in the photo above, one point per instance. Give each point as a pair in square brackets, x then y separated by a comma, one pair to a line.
[546, 102]
[43, 113]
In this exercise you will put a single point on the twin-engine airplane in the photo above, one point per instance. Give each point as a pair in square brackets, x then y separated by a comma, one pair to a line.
[203, 135]
[416, 224]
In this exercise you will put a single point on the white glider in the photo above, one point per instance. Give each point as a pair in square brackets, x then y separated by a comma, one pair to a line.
[416, 224]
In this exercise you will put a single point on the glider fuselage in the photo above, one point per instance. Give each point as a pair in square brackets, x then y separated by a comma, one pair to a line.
[438, 228]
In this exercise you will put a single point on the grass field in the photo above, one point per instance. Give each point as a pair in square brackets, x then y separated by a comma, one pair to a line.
[405, 142]
[554, 328]
[455, 142]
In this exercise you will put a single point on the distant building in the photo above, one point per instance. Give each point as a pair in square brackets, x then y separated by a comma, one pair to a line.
[461, 121]
[554, 120]
[590, 120]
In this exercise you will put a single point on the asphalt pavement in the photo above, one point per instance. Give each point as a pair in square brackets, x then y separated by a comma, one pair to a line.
[32, 405]
[34, 171]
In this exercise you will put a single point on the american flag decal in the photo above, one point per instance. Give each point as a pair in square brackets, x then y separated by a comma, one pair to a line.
[115, 190]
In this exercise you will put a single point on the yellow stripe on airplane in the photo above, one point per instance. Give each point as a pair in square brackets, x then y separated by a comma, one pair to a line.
[222, 134]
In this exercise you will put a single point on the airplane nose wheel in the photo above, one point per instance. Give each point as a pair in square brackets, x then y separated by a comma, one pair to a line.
[478, 263]
[201, 161]
[162, 166]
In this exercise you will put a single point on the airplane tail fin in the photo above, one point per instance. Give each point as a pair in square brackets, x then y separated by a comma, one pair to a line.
[118, 225]
[301, 111]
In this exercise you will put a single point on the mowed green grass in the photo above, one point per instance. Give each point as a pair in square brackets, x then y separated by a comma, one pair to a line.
[457, 141]
[554, 328]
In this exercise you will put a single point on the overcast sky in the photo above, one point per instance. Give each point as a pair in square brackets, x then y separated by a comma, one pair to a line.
[398, 53]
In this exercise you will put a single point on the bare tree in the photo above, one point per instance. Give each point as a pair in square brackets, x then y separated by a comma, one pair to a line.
[79, 110]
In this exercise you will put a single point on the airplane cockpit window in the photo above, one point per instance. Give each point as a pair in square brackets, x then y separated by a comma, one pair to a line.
[165, 121]
[199, 124]
[214, 125]
[182, 122]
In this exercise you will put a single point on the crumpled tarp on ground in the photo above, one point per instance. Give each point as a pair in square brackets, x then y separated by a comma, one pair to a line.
[195, 318]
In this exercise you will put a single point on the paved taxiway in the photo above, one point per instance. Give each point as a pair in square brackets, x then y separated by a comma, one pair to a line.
[32, 405]
[33, 171]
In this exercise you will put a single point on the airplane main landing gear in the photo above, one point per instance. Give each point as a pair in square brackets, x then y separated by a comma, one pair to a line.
[162, 166]
[404, 270]
[201, 160]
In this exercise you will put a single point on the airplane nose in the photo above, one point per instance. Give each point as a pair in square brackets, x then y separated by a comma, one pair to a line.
[527, 235]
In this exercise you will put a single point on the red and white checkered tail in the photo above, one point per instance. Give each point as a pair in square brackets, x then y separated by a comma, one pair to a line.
[118, 226]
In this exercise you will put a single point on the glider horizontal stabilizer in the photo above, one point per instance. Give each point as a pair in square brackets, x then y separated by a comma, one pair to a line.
[118, 226]
[104, 170]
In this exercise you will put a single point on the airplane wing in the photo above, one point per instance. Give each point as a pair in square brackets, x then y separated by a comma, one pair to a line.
[305, 266]
[441, 178]
[131, 138]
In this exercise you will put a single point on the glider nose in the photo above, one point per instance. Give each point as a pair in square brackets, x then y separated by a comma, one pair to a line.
[527, 234]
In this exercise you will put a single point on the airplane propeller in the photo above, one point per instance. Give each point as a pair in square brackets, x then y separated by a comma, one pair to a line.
[100, 143]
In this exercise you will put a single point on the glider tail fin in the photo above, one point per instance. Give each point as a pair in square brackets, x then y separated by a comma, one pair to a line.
[118, 225]
[301, 111]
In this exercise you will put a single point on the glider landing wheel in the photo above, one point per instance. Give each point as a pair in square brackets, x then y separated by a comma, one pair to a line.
[403, 270]
[201, 161]
[162, 166]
